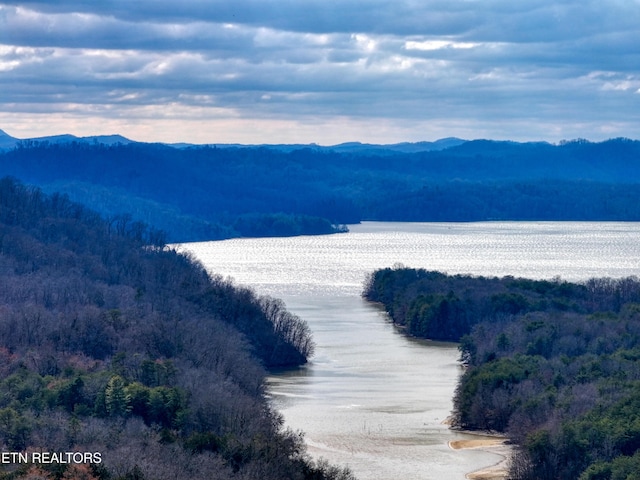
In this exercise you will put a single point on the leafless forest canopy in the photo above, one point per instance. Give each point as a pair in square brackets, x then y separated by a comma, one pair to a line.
[111, 342]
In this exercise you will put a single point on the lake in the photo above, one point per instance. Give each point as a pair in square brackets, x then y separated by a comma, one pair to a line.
[372, 398]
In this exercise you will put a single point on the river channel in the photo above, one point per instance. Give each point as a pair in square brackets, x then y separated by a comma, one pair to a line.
[372, 398]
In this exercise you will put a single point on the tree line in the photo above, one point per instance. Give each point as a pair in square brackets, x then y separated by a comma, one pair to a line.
[553, 365]
[112, 342]
[206, 193]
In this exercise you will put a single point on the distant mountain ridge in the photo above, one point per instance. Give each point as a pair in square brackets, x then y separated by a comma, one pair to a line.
[8, 142]
[207, 192]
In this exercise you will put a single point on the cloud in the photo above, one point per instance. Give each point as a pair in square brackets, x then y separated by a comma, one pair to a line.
[512, 69]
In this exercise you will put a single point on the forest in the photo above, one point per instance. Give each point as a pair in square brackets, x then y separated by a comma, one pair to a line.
[113, 343]
[553, 365]
[208, 192]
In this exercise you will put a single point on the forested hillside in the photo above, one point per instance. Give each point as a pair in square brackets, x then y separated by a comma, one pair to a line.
[553, 365]
[205, 193]
[112, 343]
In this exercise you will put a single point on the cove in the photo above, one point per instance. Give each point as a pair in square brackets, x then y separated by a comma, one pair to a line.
[372, 398]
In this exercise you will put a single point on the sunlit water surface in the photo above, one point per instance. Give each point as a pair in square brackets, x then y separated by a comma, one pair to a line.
[371, 398]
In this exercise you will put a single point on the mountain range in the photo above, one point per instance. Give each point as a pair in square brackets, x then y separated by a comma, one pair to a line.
[8, 142]
[207, 192]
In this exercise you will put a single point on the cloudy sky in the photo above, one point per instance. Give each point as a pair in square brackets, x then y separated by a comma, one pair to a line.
[301, 71]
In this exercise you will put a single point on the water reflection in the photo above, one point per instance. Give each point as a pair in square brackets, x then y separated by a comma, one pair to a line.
[371, 397]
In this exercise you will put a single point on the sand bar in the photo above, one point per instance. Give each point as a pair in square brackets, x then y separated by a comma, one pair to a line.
[492, 444]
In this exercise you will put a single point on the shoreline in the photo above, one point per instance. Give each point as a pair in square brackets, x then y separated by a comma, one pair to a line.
[488, 443]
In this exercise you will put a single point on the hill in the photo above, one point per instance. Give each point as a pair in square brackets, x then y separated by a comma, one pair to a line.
[209, 192]
[553, 365]
[7, 142]
[122, 359]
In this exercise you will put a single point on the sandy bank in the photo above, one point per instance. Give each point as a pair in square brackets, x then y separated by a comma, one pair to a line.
[477, 443]
[491, 444]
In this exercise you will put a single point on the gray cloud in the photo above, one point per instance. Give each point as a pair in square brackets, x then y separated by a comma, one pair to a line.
[558, 66]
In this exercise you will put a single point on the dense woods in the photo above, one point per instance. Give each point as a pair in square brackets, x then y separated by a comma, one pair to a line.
[208, 192]
[553, 365]
[111, 342]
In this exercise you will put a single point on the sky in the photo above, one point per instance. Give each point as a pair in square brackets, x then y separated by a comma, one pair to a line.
[321, 71]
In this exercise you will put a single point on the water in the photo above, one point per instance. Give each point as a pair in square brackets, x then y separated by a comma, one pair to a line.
[372, 398]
